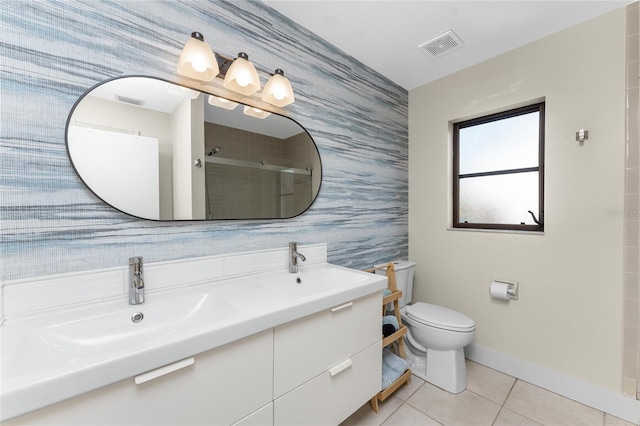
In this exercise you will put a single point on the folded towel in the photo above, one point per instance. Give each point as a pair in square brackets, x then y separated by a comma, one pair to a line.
[386, 292]
[388, 330]
[391, 319]
[392, 368]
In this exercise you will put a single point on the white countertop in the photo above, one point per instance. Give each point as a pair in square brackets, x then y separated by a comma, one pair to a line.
[58, 355]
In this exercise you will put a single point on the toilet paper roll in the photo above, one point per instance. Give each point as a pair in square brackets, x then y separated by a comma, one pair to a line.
[499, 290]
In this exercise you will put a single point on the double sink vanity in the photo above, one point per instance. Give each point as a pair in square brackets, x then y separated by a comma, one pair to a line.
[242, 348]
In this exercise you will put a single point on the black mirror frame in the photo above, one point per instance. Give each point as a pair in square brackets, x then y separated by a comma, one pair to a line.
[88, 91]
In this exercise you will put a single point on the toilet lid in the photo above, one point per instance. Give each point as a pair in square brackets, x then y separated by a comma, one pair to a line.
[440, 317]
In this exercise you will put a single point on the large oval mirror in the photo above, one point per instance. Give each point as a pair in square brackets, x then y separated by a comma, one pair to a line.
[159, 151]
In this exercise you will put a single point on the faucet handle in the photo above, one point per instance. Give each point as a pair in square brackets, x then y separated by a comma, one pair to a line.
[136, 263]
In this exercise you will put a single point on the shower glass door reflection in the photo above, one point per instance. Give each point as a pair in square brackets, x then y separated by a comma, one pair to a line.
[255, 191]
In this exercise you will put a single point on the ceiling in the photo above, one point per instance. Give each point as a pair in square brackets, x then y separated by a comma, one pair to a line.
[385, 35]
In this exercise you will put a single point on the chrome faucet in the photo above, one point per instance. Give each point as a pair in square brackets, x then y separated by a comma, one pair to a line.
[293, 257]
[136, 281]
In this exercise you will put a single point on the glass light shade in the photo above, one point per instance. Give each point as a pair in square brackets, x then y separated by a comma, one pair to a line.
[222, 102]
[184, 92]
[242, 76]
[197, 60]
[256, 112]
[278, 90]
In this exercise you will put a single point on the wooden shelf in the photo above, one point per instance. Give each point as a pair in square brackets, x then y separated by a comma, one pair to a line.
[393, 296]
[395, 336]
[385, 393]
[398, 335]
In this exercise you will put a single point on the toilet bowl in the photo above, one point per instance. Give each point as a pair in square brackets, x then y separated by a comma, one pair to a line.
[435, 336]
[439, 335]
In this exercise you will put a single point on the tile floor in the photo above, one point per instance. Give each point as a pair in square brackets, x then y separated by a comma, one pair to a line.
[491, 398]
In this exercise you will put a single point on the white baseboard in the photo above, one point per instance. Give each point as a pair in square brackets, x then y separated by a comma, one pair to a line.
[599, 398]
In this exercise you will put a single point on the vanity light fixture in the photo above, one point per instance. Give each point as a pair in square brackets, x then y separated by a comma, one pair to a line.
[256, 112]
[197, 60]
[278, 90]
[242, 76]
[222, 102]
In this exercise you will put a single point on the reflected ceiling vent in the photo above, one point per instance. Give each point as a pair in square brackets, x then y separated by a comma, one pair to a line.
[444, 43]
[127, 100]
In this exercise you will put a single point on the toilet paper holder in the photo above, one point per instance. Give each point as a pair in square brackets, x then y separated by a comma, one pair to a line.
[505, 290]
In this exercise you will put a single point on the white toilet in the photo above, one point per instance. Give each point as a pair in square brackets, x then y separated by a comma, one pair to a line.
[435, 337]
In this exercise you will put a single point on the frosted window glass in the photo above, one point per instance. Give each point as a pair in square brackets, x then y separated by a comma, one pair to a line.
[502, 199]
[505, 144]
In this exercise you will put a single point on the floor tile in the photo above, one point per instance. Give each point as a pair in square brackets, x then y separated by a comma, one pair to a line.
[610, 420]
[489, 383]
[407, 390]
[549, 408]
[509, 418]
[482, 403]
[465, 408]
[366, 416]
[406, 415]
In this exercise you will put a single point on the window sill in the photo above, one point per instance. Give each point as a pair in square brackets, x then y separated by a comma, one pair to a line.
[499, 231]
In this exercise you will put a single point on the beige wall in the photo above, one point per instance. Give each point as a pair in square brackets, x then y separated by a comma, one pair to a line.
[569, 316]
[632, 206]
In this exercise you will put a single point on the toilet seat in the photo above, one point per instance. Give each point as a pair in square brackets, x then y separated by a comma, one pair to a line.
[440, 317]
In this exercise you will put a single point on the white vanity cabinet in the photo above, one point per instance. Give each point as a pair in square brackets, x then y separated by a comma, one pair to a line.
[314, 370]
[262, 417]
[223, 386]
[328, 364]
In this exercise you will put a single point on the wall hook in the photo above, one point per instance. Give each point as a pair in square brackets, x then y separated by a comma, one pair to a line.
[582, 135]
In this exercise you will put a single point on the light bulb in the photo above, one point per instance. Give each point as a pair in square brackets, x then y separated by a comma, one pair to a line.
[242, 80]
[279, 93]
[199, 64]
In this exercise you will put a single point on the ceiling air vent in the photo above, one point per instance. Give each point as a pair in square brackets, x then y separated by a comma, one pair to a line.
[128, 100]
[444, 43]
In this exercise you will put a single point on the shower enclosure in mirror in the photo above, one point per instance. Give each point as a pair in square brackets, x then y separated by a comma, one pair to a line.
[156, 150]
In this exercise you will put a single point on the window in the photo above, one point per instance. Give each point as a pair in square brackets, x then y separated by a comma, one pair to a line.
[498, 176]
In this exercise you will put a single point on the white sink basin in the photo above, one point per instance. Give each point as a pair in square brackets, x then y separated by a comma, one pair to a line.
[312, 282]
[110, 334]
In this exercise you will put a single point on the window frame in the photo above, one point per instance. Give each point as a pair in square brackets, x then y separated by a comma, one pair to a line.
[538, 227]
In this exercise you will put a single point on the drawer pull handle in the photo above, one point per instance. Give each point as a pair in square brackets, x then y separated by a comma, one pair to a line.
[340, 367]
[154, 374]
[337, 308]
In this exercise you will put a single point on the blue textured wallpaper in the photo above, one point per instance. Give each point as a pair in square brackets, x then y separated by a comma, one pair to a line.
[53, 51]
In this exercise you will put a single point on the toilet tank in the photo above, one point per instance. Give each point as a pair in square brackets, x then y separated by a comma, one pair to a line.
[404, 278]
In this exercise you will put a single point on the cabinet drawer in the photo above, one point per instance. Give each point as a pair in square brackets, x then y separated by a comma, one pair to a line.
[327, 399]
[223, 386]
[262, 417]
[310, 346]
